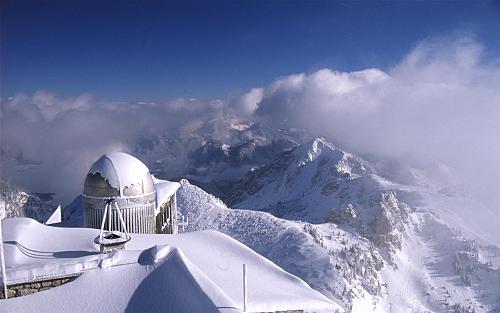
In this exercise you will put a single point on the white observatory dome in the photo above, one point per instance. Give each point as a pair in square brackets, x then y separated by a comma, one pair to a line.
[118, 175]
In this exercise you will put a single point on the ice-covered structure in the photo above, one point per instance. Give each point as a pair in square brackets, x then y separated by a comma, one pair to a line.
[147, 204]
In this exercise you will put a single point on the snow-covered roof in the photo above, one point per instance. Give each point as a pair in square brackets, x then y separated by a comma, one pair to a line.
[191, 272]
[164, 190]
[121, 170]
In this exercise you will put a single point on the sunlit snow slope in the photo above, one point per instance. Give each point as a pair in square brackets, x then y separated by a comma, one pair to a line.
[375, 244]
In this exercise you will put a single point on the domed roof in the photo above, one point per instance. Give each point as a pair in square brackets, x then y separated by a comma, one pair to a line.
[118, 174]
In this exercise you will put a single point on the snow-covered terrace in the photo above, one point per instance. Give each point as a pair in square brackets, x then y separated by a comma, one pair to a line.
[191, 272]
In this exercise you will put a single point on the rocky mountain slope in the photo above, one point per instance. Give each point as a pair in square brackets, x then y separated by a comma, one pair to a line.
[379, 234]
[433, 269]
[217, 155]
[318, 183]
[232, 143]
[19, 203]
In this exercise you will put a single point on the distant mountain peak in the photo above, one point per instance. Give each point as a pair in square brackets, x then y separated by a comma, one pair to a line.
[311, 150]
[323, 152]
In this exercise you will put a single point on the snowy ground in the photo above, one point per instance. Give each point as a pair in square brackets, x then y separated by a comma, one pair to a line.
[439, 271]
[195, 272]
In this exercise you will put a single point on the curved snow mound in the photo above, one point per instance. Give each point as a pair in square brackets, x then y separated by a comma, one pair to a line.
[158, 253]
[178, 285]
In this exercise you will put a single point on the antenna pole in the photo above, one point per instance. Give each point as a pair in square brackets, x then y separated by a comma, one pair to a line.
[245, 285]
[2, 254]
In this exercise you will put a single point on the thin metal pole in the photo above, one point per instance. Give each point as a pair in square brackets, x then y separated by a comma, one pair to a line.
[121, 220]
[103, 221]
[109, 217]
[245, 294]
[2, 254]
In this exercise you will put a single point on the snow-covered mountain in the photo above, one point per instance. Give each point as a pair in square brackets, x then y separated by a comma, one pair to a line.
[379, 234]
[371, 236]
[322, 255]
[215, 156]
[19, 203]
[319, 183]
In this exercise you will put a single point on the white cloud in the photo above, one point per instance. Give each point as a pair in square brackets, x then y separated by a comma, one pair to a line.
[67, 133]
[440, 103]
[244, 104]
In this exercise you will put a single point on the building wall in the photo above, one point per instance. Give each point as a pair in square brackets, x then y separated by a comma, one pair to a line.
[138, 213]
[24, 289]
[165, 219]
[174, 214]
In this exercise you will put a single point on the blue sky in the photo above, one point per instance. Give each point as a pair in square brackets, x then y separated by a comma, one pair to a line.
[153, 50]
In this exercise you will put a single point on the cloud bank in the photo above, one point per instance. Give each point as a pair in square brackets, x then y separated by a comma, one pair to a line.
[440, 103]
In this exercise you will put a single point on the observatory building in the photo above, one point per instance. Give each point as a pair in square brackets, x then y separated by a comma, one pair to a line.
[147, 205]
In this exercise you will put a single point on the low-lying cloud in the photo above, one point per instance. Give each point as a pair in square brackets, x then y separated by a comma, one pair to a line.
[440, 103]
[48, 142]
